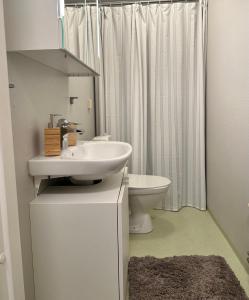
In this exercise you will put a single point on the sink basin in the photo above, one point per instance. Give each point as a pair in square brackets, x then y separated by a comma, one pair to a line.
[87, 161]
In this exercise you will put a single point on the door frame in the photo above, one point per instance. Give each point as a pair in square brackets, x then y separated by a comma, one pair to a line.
[8, 193]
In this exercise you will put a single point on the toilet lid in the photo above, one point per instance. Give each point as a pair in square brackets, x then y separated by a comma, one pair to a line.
[147, 181]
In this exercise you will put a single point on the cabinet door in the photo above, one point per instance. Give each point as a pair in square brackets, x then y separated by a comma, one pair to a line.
[74, 249]
[32, 24]
[123, 238]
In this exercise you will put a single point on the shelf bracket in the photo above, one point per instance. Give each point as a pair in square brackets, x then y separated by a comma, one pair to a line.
[39, 184]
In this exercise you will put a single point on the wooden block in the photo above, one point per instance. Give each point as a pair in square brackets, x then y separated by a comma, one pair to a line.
[52, 131]
[52, 141]
[51, 150]
[52, 153]
[52, 147]
[72, 139]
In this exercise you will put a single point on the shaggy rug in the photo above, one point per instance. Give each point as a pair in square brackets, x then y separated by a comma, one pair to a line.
[183, 277]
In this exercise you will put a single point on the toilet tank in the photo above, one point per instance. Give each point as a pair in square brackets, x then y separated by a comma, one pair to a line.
[102, 138]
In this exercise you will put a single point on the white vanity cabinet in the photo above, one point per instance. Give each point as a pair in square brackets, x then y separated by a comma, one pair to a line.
[80, 241]
[35, 29]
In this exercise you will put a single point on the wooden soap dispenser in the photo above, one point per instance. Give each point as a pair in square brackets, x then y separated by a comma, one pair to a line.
[52, 138]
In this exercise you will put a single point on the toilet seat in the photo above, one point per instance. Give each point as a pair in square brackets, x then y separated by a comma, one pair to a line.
[147, 184]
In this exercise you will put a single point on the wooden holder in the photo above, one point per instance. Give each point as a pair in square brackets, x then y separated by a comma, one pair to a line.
[72, 139]
[52, 141]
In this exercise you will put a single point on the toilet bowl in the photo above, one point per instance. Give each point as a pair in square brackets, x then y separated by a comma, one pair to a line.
[145, 192]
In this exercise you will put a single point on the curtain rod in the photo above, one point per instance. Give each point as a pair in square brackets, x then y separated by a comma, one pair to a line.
[126, 2]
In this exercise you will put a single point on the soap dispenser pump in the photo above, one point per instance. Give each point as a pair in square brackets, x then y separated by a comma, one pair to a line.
[51, 120]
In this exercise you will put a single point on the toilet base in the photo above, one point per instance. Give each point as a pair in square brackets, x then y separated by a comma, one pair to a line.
[140, 223]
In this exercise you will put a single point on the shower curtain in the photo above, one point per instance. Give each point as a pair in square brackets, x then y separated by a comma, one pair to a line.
[80, 33]
[152, 92]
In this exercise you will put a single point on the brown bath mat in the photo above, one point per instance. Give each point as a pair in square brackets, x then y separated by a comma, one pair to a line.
[183, 277]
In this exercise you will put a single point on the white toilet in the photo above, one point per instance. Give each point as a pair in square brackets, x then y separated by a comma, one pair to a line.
[145, 192]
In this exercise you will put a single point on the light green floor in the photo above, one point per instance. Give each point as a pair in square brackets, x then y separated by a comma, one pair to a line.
[188, 232]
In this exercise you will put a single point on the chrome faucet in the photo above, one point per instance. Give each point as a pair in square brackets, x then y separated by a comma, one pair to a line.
[66, 128]
[63, 124]
[65, 141]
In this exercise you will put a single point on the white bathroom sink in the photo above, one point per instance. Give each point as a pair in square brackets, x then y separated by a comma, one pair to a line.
[87, 161]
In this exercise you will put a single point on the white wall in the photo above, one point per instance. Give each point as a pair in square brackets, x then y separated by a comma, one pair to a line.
[228, 120]
[9, 220]
[38, 91]
[82, 87]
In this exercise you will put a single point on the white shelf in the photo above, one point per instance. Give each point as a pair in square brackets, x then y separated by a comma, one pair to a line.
[60, 60]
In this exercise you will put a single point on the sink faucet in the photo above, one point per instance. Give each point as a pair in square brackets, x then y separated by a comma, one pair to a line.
[67, 128]
[65, 141]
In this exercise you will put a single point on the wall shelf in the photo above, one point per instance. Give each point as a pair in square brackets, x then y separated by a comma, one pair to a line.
[60, 60]
[43, 41]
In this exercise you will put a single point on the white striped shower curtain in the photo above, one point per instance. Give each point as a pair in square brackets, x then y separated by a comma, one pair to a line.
[152, 92]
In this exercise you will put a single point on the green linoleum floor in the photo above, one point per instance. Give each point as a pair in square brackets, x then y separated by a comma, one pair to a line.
[188, 232]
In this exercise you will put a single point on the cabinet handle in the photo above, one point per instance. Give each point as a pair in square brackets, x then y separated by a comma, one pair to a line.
[2, 258]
